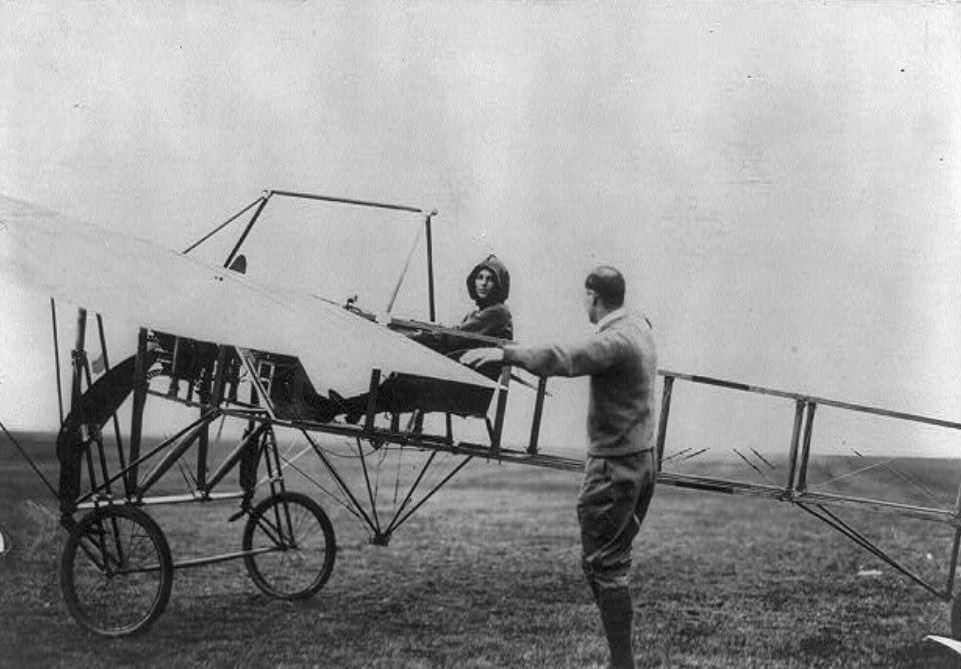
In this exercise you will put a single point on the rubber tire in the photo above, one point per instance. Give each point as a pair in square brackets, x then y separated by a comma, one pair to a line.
[157, 547]
[260, 515]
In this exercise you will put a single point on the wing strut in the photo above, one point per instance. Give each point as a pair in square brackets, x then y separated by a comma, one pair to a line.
[56, 357]
[222, 225]
[403, 272]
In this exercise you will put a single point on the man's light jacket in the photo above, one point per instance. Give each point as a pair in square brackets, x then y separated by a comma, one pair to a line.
[621, 360]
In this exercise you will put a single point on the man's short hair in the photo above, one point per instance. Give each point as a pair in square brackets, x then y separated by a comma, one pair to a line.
[608, 284]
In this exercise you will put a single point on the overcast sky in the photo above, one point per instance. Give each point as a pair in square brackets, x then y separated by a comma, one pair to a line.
[778, 182]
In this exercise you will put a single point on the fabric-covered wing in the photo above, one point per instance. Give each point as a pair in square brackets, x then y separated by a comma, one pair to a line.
[163, 290]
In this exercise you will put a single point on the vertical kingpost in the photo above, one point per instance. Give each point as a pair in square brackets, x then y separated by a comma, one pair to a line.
[430, 265]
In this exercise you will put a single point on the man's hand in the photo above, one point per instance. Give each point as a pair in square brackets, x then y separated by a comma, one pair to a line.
[476, 357]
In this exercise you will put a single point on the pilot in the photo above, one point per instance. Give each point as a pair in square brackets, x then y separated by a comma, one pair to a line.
[620, 468]
[489, 284]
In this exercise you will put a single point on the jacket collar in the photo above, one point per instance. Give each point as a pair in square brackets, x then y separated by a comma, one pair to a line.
[610, 318]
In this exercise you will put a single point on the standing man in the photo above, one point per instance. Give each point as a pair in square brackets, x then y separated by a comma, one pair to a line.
[620, 468]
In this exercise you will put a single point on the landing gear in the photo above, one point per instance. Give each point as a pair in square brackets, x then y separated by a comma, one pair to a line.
[116, 571]
[291, 544]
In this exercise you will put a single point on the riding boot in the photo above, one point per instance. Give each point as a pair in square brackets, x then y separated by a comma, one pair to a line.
[616, 615]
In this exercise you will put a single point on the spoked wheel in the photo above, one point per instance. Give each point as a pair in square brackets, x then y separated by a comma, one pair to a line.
[116, 571]
[292, 546]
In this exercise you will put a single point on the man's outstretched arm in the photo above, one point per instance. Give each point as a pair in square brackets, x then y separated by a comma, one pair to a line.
[590, 356]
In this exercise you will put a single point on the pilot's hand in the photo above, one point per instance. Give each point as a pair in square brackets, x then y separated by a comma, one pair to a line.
[476, 357]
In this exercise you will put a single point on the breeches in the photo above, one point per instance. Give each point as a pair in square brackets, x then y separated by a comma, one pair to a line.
[613, 501]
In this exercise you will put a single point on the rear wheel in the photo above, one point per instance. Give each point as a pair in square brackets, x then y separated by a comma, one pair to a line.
[290, 544]
[116, 571]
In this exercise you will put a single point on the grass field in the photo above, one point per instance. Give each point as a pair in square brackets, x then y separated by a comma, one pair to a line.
[487, 575]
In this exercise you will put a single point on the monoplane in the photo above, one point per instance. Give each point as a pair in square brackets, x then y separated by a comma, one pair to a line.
[221, 346]
[224, 347]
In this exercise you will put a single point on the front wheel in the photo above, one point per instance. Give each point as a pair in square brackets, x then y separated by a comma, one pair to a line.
[289, 545]
[116, 571]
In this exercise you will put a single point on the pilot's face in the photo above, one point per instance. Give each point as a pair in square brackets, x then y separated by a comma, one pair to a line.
[484, 284]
